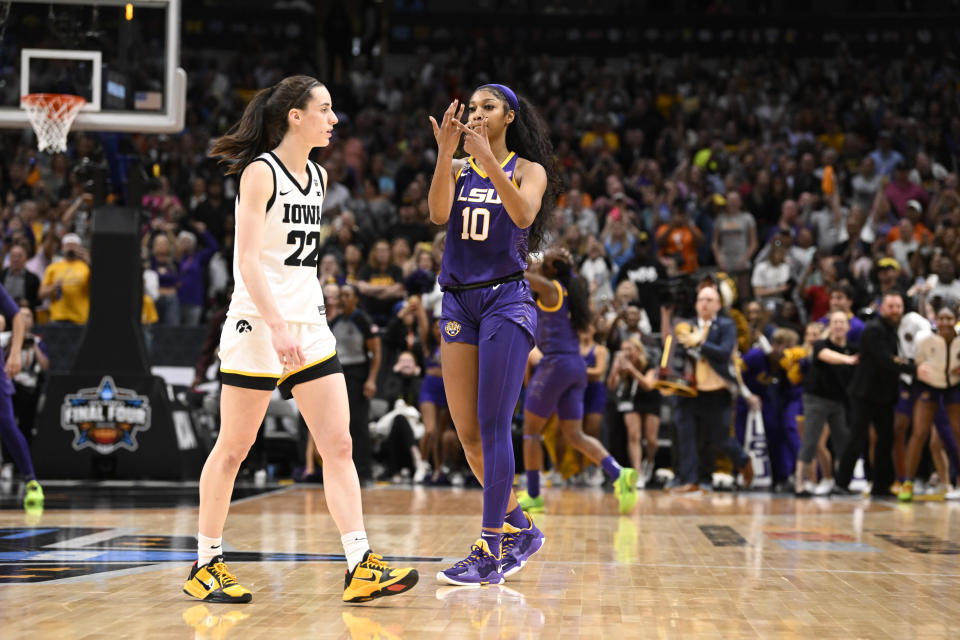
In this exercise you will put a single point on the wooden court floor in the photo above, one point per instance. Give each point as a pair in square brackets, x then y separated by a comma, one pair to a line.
[720, 566]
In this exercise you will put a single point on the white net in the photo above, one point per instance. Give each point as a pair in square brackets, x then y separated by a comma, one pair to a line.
[51, 115]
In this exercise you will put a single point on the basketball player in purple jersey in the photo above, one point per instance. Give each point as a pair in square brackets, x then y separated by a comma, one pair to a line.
[560, 380]
[596, 357]
[9, 432]
[491, 201]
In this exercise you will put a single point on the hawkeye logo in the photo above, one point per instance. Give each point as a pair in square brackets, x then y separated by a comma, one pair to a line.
[105, 418]
[244, 327]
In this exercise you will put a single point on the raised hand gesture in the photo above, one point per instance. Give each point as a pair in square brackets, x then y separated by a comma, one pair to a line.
[447, 133]
[476, 143]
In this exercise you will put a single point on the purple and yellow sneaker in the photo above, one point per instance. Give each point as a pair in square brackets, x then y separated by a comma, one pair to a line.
[479, 568]
[519, 544]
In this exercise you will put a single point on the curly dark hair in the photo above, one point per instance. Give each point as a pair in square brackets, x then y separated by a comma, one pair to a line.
[529, 136]
[578, 299]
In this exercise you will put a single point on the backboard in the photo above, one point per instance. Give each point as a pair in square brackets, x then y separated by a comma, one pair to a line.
[121, 57]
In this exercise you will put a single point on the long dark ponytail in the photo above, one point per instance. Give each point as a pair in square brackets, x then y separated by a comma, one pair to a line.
[264, 122]
[529, 136]
[578, 301]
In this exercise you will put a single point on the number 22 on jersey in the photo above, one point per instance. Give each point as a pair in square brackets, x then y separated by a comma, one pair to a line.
[476, 223]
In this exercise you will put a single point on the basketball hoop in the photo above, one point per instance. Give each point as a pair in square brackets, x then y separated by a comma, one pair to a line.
[51, 115]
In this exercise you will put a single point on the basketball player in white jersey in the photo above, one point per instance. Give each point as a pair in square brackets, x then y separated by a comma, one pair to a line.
[276, 334]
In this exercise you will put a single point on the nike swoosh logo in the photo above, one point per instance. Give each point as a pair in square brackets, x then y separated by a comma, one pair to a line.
[370, 579]
[496, 286]
[283, 193]
[211, 585]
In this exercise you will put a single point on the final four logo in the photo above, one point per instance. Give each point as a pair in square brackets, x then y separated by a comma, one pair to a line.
[105, 418]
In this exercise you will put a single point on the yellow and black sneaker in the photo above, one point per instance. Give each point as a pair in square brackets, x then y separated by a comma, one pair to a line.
[213, 582]
[373, 578]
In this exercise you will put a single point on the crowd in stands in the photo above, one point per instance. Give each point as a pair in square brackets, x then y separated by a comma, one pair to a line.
[813, 184]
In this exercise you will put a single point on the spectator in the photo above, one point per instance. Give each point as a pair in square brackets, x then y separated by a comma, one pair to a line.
[680, 239]
[47, 255]
[22, 285]
[944, 289]
[904, 246]
[596, 270]
[901, 192]
[771, 278]
[193, 266]
[67, 283]
[162, 202]
[213, 209]
[888, 281]
[617, 238]
[920, 233]
[163, 261]
[817, 296]
[380, 284]
[330, 270]
[649, 275]
[735, 241]
[423, 279]
[576, 213]
[401, 255]
[927, 173]
[884, 157]
[866, 183]
[353, 263]
[403, 333]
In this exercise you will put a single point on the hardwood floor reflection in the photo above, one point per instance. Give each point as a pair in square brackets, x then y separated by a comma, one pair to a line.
[720, 566]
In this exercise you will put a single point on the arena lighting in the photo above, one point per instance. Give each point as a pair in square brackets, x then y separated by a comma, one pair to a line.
[128, 12]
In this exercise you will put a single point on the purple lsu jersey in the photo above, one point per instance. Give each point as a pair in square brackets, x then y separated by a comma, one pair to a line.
[595, 396]
[8, 308]
[555, 333]
[483, 243]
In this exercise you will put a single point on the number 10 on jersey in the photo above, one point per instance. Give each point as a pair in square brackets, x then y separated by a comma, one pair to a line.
[476, 223]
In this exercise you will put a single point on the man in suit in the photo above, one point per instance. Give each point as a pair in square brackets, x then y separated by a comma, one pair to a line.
[22, 285]
[703, 422]
[873, 394]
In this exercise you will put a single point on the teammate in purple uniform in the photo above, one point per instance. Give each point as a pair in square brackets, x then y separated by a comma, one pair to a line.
[9, 432]
[559, 382]
[491, 200]
[595, 357]
[433, 409]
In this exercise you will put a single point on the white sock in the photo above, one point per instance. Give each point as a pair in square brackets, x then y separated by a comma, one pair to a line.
[354, 546]
[207, 548]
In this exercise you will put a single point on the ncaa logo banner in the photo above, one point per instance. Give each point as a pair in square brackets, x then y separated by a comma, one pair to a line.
[756, 446]
[105, 418]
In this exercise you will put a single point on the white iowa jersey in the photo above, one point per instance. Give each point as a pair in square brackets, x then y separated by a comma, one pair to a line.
[291, 247]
